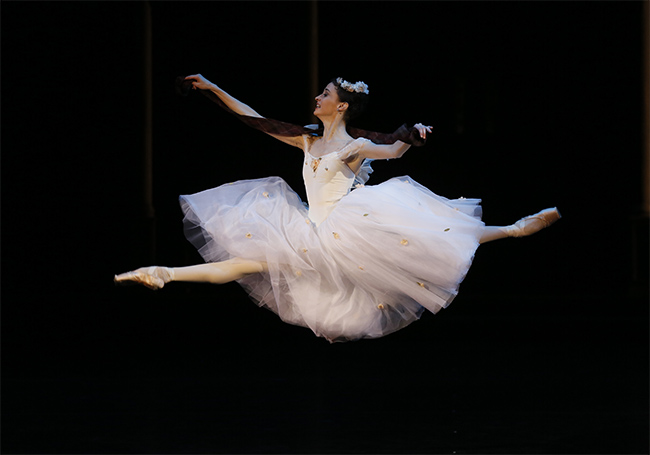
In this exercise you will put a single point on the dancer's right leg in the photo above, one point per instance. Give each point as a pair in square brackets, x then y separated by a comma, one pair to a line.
[215, 272]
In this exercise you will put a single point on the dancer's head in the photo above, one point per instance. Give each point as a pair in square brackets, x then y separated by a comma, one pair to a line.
[340, 97]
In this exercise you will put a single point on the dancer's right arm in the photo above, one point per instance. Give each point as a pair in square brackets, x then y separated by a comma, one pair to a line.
[237, 106]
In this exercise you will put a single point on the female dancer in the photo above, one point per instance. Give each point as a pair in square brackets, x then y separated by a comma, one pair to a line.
[357, 263]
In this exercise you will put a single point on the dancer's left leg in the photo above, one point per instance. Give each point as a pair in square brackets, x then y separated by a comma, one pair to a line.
[491, 233]
[522, 228]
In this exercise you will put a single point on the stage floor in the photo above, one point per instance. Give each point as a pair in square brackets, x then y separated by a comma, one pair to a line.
[179, 372]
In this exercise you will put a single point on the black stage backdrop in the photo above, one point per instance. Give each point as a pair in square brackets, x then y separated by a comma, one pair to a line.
[533, 105]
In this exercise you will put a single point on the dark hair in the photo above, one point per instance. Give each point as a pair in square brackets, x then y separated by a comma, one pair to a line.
[357, 102]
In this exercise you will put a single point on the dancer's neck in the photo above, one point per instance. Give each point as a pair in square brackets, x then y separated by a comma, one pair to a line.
[334, 128]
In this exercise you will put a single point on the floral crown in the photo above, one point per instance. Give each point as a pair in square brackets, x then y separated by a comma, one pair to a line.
[359, 87]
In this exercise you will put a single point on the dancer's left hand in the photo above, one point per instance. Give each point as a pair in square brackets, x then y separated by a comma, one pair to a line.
[423, 130]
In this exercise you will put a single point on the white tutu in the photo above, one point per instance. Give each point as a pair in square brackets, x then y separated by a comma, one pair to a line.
[382, 255]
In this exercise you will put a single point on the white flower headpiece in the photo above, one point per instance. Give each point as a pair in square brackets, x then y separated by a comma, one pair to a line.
[359, 87]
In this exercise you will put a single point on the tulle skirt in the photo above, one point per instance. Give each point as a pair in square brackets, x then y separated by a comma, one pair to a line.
[385, 254]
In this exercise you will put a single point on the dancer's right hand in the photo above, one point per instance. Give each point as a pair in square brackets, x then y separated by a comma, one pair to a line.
[199, 82]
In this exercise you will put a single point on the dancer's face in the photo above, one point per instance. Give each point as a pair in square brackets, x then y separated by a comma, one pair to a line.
[328, 102]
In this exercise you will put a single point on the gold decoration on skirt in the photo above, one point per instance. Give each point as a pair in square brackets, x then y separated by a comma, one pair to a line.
[404, 242]
[249, 235]
[336, 235]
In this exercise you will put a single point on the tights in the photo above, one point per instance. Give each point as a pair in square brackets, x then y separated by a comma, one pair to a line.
[216, 272]
[494, 233]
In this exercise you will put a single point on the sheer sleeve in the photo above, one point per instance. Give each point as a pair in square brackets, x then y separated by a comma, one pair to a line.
[403, 133]
[352, 148]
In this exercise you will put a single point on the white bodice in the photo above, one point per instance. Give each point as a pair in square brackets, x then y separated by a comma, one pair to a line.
[327, 178]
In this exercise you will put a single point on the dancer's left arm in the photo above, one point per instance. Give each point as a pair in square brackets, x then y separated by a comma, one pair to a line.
[390, 151]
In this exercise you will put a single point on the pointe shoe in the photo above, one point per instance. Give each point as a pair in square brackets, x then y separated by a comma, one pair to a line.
[534, 223]
[152, 277]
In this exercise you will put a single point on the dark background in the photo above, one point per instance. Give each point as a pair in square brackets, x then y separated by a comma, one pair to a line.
[533, 104]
